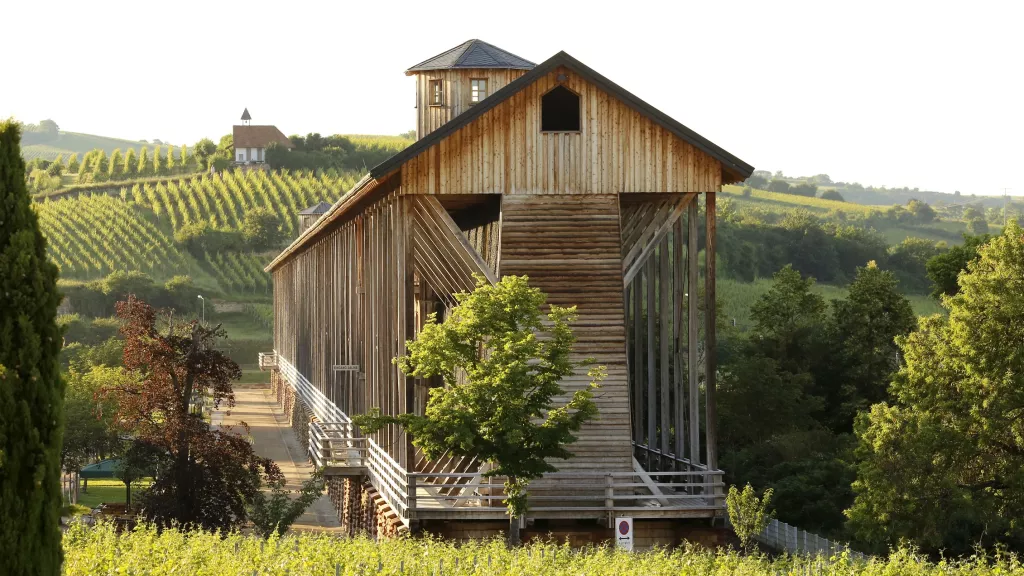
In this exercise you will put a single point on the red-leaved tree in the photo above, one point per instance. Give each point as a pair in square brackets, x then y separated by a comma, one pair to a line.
[204, 476]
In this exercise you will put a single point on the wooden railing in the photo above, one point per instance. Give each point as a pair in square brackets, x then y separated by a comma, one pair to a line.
[692, 491]
[267, 361]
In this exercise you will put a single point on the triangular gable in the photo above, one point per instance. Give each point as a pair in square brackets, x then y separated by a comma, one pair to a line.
[733, 169]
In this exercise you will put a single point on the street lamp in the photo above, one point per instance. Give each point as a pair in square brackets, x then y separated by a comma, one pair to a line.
[204, 307]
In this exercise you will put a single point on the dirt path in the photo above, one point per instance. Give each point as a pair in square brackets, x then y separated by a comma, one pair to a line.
[274, 439]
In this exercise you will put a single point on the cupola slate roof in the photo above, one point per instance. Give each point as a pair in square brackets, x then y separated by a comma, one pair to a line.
[319, 208]
[473, 54]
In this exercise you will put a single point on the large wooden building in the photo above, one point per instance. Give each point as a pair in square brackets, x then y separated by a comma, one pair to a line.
[551, 171]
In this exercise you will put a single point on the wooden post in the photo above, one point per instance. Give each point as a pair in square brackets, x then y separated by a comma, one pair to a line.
[609, 499]
[664, 319]
[677, 340]
[411, 500]
[710, 343]
[691, 338]
[651, 375]
[638, 360]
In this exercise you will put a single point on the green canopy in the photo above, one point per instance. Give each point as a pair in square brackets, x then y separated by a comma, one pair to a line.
[101, 469]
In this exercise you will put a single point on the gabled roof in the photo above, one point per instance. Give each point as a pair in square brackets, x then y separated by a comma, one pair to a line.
[731, 163]
[378, 174]
[258, 137]
[318, 208]
[473, 54]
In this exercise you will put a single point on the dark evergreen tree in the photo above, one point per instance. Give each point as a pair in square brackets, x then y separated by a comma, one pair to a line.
[31, 390]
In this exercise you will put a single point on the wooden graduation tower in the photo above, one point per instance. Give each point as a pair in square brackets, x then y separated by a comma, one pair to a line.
[555, 172]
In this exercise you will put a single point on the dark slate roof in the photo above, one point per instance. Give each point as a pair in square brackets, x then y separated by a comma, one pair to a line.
[729, 162]
[245, 115]
[319, 208]
[473, 54]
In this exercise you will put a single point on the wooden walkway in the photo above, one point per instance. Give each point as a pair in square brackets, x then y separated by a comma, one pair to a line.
[273, 438]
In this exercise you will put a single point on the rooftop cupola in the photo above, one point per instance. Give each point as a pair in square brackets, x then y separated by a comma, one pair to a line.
[449, 83]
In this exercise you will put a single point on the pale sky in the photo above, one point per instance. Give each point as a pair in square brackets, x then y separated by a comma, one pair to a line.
[925, 94]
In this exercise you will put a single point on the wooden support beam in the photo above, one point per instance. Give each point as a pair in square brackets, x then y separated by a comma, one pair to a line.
[691, 339]
[651, 484]
[710, 347]
[638, 253]
[664, 360]
[638, 360]
[652, 383]
[455, 235]
[678, 261]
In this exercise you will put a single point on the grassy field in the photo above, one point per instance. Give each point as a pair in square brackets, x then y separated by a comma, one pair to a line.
[106, 491]
[145, 551]
[737, 298]
[68, 143]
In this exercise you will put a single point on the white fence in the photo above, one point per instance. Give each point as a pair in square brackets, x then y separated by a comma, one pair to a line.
[782, 536]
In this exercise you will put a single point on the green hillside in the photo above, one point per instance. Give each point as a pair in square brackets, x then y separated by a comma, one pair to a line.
[68, 143]
[132, 227]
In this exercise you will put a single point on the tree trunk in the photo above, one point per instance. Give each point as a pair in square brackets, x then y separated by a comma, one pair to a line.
[513, 532]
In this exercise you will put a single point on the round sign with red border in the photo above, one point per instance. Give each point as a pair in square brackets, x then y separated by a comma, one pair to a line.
[623, 527]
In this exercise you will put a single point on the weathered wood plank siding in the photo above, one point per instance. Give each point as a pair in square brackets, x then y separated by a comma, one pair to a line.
[617, 150]
[569, 247]
[343, 301]
[456, 86]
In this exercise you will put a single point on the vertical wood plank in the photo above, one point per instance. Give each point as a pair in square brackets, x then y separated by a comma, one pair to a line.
[691, 339]
[664, 317]
[679, 395]
[710, 343]
[652, 383]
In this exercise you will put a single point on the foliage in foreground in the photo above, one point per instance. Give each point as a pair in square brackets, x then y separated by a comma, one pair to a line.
[31, 390]
[144, 551]
[748, 513]
[942, 464]
[504, 410]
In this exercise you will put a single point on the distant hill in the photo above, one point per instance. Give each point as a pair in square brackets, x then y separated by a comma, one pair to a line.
[68, 143]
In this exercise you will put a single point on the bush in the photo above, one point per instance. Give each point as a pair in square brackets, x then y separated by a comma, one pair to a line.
[832, 194]
[748, 513]
[261, 228]
[977, 226]
[747, 191]
[200, 237]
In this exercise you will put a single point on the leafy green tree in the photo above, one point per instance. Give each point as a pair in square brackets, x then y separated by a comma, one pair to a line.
[100, 166]
[261, 228]
[921, 211]
[171, 160]
[86, 166]
[131, 163]
[942, 464]
[31, 389]
[777, 185]
[503, 411]
[202, 151]
[276, 513]
[748, 512]
[73, 163]
[943, 269]
[87, 428]
[145, 167]
[804, 189]
[977, 226]
[116, 166]
[832, 194]
[184, 160]
[226, 148]
[865, 326]
[56, 168]
[159, 167]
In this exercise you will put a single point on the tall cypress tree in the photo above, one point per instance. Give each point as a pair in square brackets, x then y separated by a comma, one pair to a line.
[31, 390]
